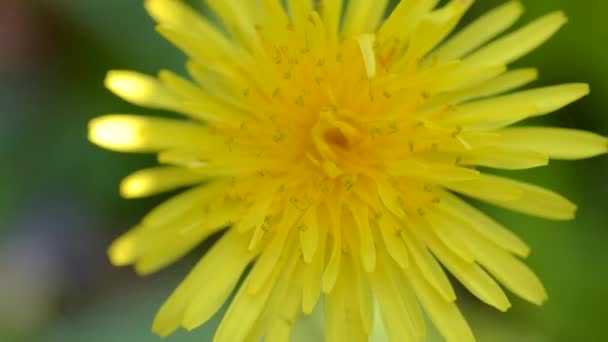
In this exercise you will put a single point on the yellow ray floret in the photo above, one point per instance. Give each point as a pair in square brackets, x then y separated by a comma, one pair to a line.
[333, 147]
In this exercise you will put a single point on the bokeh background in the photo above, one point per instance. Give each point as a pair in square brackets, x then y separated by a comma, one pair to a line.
[60, 208]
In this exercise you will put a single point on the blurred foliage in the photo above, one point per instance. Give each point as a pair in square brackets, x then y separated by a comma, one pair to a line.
[61, 192]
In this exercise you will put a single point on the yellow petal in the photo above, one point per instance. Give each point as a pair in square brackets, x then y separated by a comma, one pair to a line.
[259, 210]
[142, 90]
[199, 104]
[309, 234]
[223, 82]
[411, 303]
[436, 26]
[299, 11]
[482, 116]
[130, 133]
[334, 308]
[487, 188]
[178, 205]
[482, 224]
[157, 180]
[179, 85]
[503, 159]
[473, 277]
[517, 44]
[331, 14]
[557, 143]
[366, 240]
[287, 313]
[276, 18]
[390, 197]
[201, 51]
[280, 329]
[216, 110]
[357, 300]
[507, 269]
[508, 81]
[213, 111]
[237, 17]
[362, 16]
[415, 320]
[513, 274]
[395, 317]
[181, 17]
[360, 290]
[430, 172]
[317, 33]
[313, 274]
[376, 15]
[403, 20]
[509, 109]
[547, 99]
[391, 235]
[480, 31]
[428, 265]
[442, 227]
[158, 247]
[246, 308]
[332, 270]
[267, 262]
[122, 251]
[464, 76]
[214, 288]
[189, 43]
[536, 201]
[444, 314]
[228, 251]
[282, 309]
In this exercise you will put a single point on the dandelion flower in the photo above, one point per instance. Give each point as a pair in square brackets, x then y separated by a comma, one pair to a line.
[334, 144]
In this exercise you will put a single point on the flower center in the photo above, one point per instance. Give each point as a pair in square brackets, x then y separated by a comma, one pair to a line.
[334, 132]
[334, 137]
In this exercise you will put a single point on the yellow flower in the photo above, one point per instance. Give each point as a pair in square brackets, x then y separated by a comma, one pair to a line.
[333, 144]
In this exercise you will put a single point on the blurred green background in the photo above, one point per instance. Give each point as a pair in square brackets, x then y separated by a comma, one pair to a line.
[60, 208]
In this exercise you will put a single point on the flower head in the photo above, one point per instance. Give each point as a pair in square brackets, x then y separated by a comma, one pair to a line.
[332, 144]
